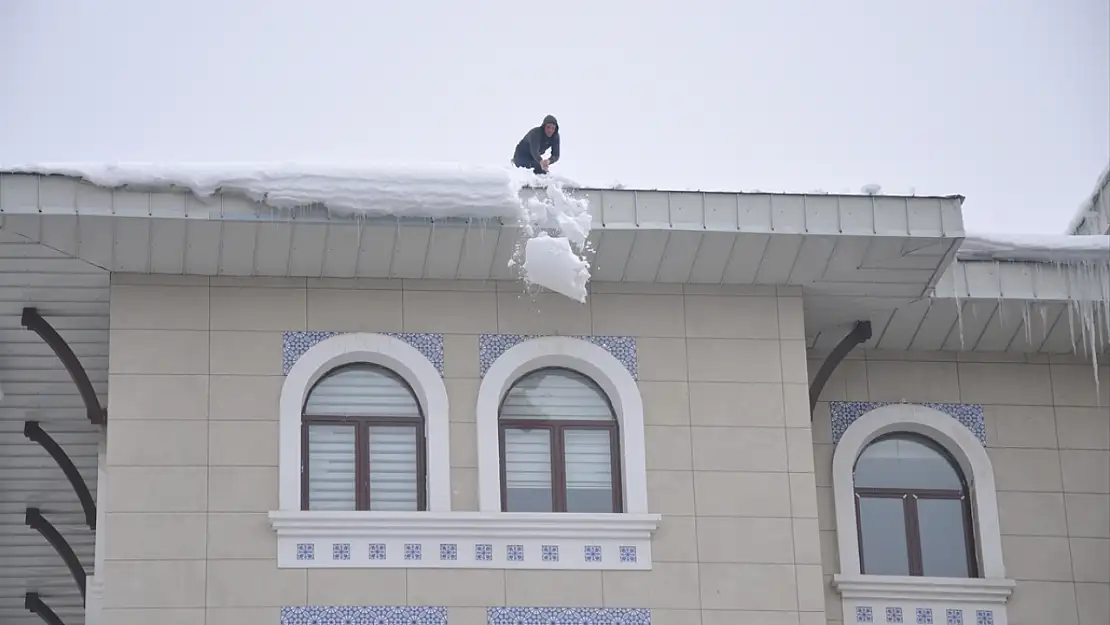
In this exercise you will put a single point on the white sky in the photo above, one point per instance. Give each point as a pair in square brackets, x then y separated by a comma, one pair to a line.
[1004, 101]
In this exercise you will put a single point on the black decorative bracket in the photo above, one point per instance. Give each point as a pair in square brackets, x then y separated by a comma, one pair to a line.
[34, 322]
[860, 334]
[37, 522]
[33, 431]
[34, 603]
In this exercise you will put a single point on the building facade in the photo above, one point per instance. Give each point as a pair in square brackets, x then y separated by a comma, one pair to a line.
[779, 445]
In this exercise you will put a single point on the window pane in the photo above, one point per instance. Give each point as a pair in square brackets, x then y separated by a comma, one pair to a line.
[883, 529]
[589, 470]
[904, 463]
[943, 537]
[331, 467]
[362, 390]
[556, 394]
[393, 476]
[528, 470]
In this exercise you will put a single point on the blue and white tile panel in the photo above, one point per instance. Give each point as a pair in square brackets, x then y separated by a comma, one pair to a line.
[883, 612]
[844, 413]
[363, 615]
[296, 343]
[472, 553]
[567, 616]
[491, 346]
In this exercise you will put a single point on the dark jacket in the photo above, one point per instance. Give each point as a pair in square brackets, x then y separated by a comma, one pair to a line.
[529, 152]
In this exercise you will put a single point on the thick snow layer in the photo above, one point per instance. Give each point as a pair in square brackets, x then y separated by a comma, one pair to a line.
[426, 190]
[417, 190]
[1036, 248]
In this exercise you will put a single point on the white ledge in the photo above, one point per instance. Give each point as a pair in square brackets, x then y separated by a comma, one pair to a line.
[926, 589]
[498, 540]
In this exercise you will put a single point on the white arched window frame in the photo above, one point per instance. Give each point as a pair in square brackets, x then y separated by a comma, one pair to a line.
[589, 360]
[377, 349]
[869, 592]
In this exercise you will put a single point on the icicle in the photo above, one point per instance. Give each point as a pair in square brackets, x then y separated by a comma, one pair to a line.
[1026, 323]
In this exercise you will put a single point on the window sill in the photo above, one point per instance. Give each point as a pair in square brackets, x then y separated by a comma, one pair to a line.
[464, 540]
[894, 599]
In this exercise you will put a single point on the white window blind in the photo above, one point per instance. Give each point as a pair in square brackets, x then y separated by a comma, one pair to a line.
[363, 390]
[557, 395]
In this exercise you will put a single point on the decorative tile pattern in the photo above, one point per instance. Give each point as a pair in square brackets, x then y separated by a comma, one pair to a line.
[341, 551]
[864, 615]
[514, 553]
[483, 552]
[296, 343]
[592, 553]
[448, 551]
[377, 551]
[568, 616]
[954, 616]
[924, 616]
[627, 554]
[549, 553]
[413, 551]
[894, 615]
[306, 551]
[363, 615]
[984, 617]
[491, 346]
[844, 413]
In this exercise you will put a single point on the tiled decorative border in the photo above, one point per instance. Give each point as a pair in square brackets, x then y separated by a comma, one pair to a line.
[844, 413]
[491, 346]
[296, 343]
[568, 616]
[363, 615]
[604, 554]
[924, 616]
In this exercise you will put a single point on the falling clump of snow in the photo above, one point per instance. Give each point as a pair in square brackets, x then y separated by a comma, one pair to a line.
[871, 189]
[556, 228]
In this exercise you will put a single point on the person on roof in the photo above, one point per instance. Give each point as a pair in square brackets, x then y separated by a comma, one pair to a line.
[530, 150]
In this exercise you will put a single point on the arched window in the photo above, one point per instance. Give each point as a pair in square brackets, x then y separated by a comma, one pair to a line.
[362, 442]
[913, 510]
[559, 445]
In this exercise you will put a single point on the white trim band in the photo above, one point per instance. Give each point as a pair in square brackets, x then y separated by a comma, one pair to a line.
[464, 540]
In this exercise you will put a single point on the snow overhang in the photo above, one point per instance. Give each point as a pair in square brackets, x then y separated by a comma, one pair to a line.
[839, 245]
[1093, 214]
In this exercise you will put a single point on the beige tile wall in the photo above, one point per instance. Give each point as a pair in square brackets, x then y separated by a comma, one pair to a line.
[1048, 437]
[192, 450]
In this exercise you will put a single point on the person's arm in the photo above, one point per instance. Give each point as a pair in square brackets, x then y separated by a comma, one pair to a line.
[534, 144]
[554, 150]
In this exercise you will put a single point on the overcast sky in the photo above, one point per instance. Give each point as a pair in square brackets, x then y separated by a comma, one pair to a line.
[1004, 101]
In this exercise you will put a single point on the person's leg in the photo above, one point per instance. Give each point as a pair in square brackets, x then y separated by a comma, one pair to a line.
[529, 164]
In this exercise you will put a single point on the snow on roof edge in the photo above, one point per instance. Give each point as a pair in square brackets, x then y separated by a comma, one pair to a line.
[1091, 248]
[1088, 204]
[204, 178]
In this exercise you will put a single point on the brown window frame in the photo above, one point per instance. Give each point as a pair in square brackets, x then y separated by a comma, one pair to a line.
[556, 428]
[362, 425]
[910, 497]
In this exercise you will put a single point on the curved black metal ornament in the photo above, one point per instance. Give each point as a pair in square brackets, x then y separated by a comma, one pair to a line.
[37, 522]
[34, 603]
[860, 334]
[34, 322]
[33, 431]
